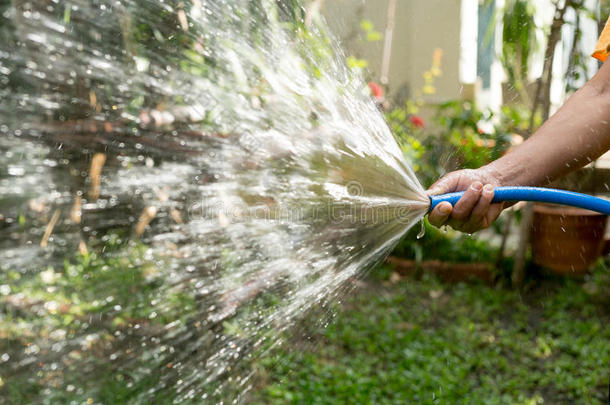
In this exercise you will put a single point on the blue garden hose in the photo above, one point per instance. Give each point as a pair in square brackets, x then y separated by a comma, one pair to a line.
[538, 194]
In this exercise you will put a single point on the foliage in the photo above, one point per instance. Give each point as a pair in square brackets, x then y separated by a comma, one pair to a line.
[372, 35]
[457, 141]
[446, 245]
[579, 57]
[428, 342]
[367, 34]
[518, 43]
[91, 292]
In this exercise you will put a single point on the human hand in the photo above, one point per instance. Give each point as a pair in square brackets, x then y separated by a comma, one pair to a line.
[474, 211]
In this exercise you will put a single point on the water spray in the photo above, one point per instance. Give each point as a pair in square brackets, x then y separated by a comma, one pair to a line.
[535, 194]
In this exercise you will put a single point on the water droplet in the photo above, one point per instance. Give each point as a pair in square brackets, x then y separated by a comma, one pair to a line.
[16, 170]
[422, 229]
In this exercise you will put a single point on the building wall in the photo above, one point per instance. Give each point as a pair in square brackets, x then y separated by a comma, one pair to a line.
[420, 28]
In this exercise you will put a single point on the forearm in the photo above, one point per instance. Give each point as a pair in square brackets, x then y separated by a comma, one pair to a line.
[573, 137]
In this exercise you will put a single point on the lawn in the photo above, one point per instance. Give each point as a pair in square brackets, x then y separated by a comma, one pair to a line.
[424, 341]
[391, 339]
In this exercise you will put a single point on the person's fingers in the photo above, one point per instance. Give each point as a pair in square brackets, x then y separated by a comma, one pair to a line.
[493, 213]
[463, 208]
[471, 227]
[440, 214]
[477, 219]
[473, 211]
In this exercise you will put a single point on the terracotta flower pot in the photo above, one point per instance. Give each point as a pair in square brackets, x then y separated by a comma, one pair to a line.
[567, 240]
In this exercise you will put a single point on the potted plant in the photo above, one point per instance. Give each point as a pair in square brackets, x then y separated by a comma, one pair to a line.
[568, 240]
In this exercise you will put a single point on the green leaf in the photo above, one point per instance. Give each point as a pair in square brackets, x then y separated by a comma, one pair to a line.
[373, 36]
[366, 25]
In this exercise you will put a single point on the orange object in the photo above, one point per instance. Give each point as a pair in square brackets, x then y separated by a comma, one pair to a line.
[567, 240]
[603, 44]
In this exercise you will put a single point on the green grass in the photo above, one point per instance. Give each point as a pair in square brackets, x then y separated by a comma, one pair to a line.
[92, 295]
[426, 342]
[411, 341]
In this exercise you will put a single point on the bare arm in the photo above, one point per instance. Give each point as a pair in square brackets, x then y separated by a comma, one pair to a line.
[574, 136]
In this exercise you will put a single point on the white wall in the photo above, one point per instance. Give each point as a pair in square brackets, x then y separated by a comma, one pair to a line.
[420, 27]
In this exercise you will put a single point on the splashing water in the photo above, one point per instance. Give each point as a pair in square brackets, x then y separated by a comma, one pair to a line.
[178, 182]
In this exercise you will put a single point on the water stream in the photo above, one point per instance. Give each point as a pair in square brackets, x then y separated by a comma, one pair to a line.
[179, 182]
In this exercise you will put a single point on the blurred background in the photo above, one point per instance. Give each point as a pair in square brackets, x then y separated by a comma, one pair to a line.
[516, 313]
